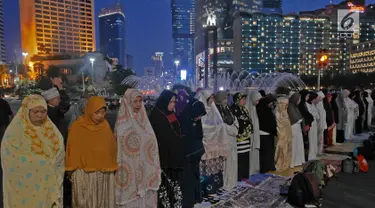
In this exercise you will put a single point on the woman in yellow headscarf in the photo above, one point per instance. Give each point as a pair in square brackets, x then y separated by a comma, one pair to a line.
[91, 158]
[32, 154]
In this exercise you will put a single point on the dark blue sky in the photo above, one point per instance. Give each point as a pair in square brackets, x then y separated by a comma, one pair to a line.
[149, 25]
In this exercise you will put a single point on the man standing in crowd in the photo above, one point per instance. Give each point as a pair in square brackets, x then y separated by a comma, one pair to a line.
[54, 80]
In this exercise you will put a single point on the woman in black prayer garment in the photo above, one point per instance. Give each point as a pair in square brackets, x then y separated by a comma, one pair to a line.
[268, 131]
[193, 149]
[361, 107]
[170, 142]
[307, 120]
[243, 138]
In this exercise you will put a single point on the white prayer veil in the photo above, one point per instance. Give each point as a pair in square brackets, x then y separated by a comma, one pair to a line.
[214, 129]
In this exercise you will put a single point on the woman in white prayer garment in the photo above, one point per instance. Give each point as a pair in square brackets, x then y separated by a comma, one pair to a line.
[313, 132]
[351, 114]
[252, 101]
[220, 144]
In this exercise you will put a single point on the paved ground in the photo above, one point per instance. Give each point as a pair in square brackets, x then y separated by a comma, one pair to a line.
[351, 190]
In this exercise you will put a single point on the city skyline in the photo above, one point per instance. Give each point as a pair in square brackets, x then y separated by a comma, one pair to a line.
[140, 43]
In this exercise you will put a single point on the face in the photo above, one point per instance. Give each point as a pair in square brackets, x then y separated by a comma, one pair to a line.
[243, 101]
[137, 104]
[99, 115]
[38, 115]
[211, 99]
[299, 100]
[57, 81]
[55, 101]
[172, 104]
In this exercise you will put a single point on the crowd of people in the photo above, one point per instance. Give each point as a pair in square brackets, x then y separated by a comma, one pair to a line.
[188, 146]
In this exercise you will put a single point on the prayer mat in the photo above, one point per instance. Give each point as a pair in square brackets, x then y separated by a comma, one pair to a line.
[273, 184]
[255, 198]
[223, 196]
[256, 179]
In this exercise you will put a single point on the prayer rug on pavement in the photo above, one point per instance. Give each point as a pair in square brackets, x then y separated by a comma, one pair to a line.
[255, 198]
[256, 179]
[272, 184]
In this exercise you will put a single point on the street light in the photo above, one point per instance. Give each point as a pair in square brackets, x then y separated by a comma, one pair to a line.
[323, 62]
[92, 60]
[24, 54]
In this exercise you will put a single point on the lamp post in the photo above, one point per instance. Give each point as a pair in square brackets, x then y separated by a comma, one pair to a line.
[92, 60]
[24, 54]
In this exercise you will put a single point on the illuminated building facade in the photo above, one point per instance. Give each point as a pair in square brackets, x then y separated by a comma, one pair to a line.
[2, 43]
[52, 27]
[267, 43]
[157, 62]
[183, 29]
[112, 33]
[362, 57]
[272, 6]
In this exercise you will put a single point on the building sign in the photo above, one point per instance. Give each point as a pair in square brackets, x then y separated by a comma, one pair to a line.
[347, 23]
[355, 8]
[211, 18]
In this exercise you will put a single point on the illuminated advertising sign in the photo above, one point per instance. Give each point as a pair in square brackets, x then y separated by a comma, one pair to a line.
[355, 8]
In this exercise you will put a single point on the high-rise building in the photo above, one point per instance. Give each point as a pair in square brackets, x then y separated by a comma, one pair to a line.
[183, 29]
[268, 43]
[361, 58]
[52, 27]
[2, 43]
[272, 6]
[112, 33]
[129, 63]
[248, 6]
[157, 62]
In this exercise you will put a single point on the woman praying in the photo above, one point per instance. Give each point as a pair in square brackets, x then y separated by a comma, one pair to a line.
[91, 157]
[32, 156]
[244, 133]
[138, 177]
[171, 150]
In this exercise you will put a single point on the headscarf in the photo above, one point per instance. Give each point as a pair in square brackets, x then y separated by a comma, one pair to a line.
[302, 107]
[181, 101]
[237, 98]
[214, 132]
[142, 158]
[220, 97]
[32, 160]
[293, 112]
[163, 101]
[266, 117]
[91, 146]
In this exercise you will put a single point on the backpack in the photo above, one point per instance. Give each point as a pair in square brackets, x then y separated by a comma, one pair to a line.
[300, 191]
[363, 165]
[316, 167]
